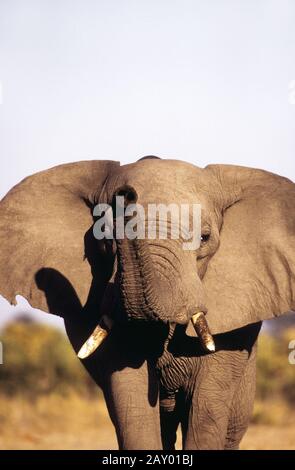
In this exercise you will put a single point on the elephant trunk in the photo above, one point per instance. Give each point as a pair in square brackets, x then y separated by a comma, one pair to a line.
[140, 284]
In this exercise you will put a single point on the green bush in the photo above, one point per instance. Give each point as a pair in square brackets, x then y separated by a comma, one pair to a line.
[39, 359]
[275, 374]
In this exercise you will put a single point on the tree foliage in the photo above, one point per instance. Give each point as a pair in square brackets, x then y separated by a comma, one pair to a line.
[39, 359]
[275, 372]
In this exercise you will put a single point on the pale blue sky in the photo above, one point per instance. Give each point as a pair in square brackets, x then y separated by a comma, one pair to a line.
[204, 82]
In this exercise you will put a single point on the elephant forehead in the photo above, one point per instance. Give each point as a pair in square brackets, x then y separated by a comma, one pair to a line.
[164, 181]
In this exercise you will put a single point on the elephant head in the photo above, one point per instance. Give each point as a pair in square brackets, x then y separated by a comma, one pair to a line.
[242, 272]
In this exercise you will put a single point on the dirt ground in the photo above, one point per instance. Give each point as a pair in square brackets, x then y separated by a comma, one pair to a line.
[72, 423]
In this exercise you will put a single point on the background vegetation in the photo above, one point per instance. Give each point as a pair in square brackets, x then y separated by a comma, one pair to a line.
[39, 359]
[47, 400]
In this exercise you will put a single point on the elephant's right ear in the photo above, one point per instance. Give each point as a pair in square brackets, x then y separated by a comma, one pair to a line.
[43, 223]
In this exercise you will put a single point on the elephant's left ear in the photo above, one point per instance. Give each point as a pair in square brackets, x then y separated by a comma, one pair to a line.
[43, 223]
[251, 277]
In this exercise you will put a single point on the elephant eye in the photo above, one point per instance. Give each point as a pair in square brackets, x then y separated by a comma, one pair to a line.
[205, 237]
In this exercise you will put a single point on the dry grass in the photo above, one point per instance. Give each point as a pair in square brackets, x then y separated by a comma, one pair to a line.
[272, 428]
[72, 422]
[269, 437]
[55, 422]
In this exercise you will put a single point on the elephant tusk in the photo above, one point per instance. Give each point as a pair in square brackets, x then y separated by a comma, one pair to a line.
[96, 338]
[202, 329]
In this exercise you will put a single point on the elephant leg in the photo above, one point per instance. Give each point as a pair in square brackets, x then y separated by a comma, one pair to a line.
[210, 406]
[131, 396]
[126, 373]
[217, 378]
[242, 405]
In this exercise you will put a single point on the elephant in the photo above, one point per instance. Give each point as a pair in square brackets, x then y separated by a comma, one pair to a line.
[153, 365]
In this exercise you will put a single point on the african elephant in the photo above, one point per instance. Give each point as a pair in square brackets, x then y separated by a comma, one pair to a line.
[153, 369]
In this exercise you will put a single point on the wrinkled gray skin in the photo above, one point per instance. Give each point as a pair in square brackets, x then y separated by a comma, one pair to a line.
[152, 369]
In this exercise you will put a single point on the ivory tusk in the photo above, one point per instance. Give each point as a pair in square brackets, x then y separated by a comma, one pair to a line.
[202, 329]
[96, 338]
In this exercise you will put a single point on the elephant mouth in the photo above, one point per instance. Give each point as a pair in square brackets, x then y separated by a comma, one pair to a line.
[106, 323]
[102, 330]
